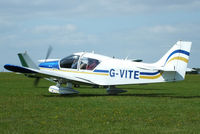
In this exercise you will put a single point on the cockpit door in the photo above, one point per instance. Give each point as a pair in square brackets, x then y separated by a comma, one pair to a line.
[79, 61]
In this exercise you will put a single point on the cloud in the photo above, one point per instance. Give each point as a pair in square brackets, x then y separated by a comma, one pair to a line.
[163, 29]
[62, 35]
[45, 8]
[69, 28]
[44, 35]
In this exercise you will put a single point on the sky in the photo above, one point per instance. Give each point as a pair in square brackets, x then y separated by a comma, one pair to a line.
[139, 29]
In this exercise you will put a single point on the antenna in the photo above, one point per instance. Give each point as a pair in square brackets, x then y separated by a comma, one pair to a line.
[126, 58]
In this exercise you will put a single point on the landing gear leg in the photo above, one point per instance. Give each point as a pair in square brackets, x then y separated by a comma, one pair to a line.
[112, 90]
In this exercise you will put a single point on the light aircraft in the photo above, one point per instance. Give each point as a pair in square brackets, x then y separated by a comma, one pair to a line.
[95, 69]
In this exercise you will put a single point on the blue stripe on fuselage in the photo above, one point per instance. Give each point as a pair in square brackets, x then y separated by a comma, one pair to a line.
[101, 71]
[148, 73]
[50, 64]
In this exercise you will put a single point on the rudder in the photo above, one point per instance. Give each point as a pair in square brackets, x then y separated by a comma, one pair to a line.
[176, 59]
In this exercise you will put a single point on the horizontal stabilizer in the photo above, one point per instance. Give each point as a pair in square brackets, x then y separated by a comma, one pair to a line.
[153, 68]
[166, 69]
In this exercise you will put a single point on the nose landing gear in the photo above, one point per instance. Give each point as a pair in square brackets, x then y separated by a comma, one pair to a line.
[63, 90]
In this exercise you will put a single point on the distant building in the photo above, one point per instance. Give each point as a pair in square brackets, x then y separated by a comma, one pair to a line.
[193, 71]
[197, 70]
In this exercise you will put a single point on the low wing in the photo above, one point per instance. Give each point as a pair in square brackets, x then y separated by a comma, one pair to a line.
[29, 68]
[45, 74]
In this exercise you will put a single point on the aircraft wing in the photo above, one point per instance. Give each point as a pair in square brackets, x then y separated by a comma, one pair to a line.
[45, 74]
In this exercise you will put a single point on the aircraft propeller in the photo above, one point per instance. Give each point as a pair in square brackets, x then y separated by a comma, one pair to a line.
[48, 52]
[36, 82]
[37, 79]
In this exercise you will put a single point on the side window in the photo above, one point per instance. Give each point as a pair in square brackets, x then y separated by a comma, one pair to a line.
[88, 63]
[69, 62]
[83, 63]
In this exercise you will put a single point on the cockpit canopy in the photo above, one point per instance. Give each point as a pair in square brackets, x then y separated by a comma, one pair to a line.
[74, 62]
[67, 62]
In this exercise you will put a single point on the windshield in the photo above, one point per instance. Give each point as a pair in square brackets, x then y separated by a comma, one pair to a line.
[69, 62]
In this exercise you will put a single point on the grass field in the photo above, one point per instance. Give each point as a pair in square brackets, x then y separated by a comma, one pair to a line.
[154, 108]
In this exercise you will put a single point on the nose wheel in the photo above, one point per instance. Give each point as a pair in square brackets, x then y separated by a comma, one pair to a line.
[63, 90]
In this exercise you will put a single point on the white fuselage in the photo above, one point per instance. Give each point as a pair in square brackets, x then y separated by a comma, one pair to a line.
[110, 71]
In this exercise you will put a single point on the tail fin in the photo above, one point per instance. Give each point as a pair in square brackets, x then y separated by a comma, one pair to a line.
[26, 61]
[176, 59]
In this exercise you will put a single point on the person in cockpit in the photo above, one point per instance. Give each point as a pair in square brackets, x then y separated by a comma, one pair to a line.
[92, 64]
[74, 64]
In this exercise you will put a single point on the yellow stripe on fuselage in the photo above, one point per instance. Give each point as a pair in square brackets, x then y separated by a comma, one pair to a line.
[151, 77]
[160, 74]
[70, 71]
[178, 58]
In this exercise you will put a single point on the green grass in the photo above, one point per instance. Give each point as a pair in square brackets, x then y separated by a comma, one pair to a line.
[153, 108]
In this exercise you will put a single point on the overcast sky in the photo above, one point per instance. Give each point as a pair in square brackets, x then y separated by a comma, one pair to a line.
[143, 29]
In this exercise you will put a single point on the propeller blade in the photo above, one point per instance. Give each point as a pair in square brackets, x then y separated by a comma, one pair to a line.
[48, 53]
[36, 82]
